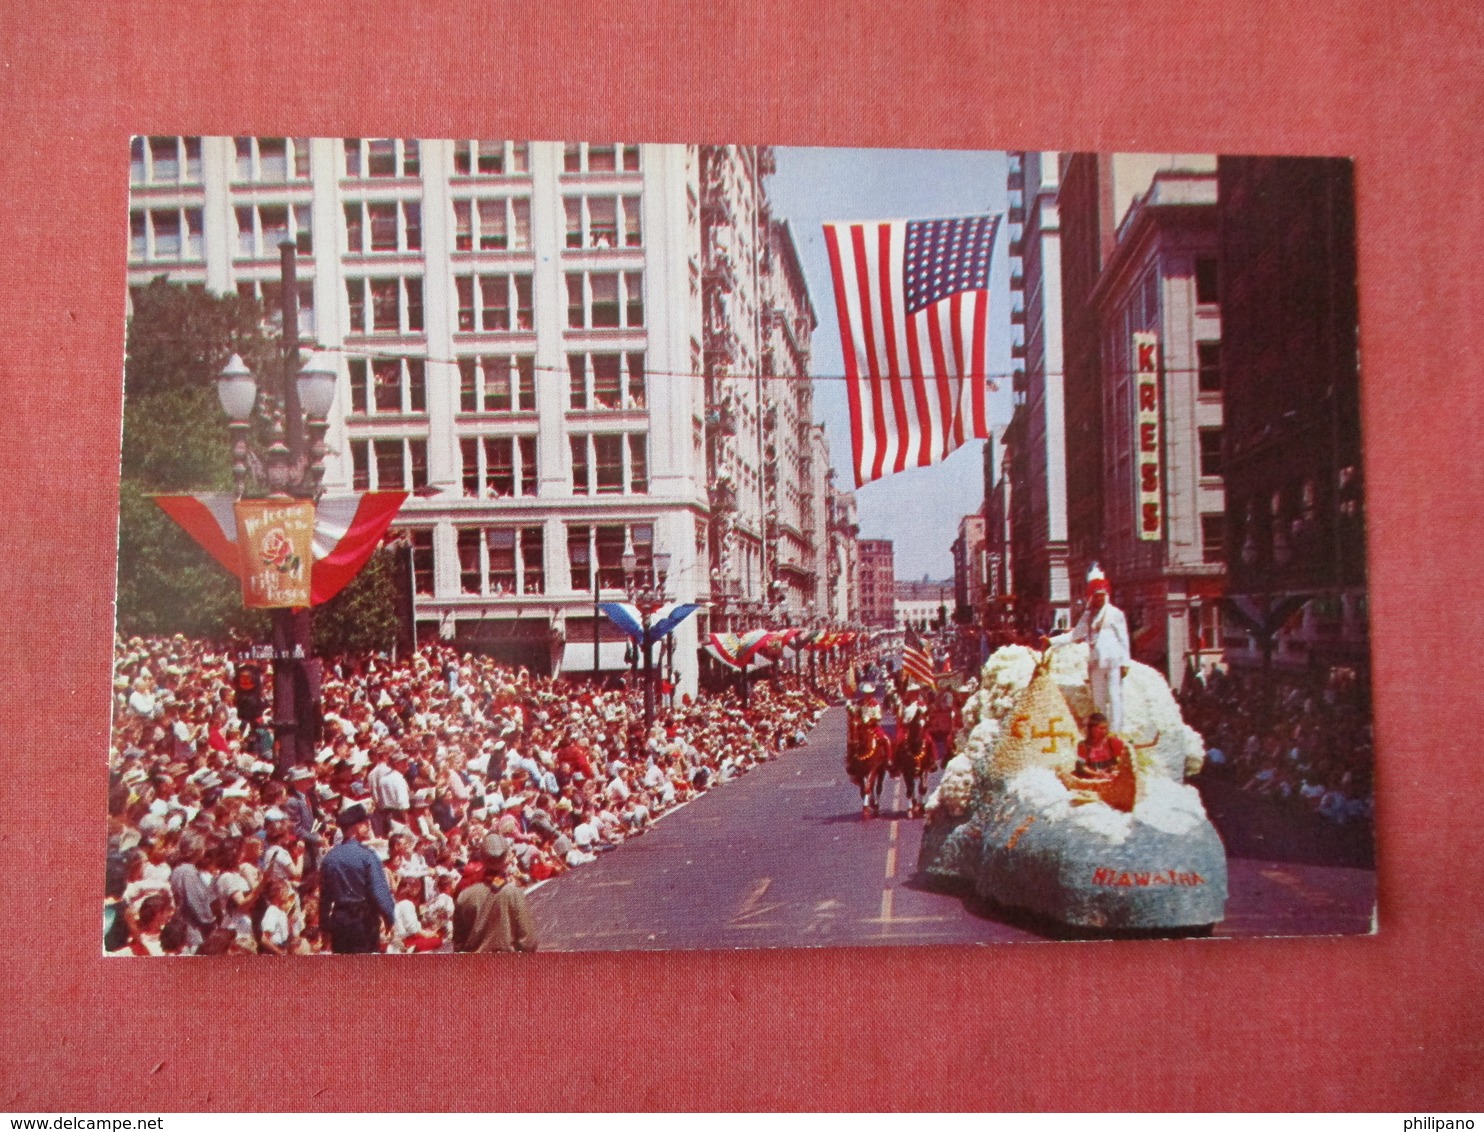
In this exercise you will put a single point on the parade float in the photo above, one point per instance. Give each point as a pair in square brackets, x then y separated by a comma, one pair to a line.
[1013, 818]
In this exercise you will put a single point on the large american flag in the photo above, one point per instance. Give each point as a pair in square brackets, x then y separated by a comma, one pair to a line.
[913, 301]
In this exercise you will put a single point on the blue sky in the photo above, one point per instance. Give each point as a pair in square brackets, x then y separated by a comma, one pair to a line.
[919, 509]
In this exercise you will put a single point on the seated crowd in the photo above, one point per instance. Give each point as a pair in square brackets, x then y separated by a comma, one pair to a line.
[1299, 738]
[211, 851]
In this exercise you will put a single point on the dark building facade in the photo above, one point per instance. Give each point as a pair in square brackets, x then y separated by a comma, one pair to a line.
[999, 557]
[1042, 584]
[1291, 392]
[1023, 579]
[1088, 226]
[968, 569]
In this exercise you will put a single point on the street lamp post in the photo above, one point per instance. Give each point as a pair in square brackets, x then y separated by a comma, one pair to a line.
[647, 596]
[292, 409]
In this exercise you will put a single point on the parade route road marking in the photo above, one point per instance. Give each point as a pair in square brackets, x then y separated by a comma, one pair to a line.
[891, 861]
[753, 905]
[886, 902]
[611, 883]
[905, 919]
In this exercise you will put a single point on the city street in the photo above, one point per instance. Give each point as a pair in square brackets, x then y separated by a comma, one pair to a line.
[781, 858]
[777, 858]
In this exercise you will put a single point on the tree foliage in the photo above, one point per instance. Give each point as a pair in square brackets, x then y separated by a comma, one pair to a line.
[175, 440]
[362, 617]
[181, 337]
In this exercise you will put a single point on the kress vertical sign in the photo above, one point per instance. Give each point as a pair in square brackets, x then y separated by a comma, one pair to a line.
[1148, 463]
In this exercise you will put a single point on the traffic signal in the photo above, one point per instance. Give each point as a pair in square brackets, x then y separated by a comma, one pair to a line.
[247, 693]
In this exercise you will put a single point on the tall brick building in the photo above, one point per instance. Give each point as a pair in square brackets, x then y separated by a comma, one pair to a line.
[878, 583]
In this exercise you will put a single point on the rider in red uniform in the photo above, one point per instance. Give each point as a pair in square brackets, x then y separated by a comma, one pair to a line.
[871, 710]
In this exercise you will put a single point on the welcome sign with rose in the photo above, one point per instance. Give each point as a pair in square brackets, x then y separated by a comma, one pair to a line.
[277, 537]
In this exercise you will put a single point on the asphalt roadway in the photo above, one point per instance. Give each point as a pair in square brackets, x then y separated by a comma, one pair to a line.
[781, 857]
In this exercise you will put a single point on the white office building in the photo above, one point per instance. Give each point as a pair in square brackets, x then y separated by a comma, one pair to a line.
[526, 342]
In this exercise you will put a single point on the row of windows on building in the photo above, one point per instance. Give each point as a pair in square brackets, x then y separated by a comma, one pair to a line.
[377, 227]
[177, 160]
[496, 384]
[1213, 538]
[511, 560]
[496, 303]
[505, 467]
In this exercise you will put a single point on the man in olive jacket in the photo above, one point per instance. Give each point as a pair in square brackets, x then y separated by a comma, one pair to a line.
[492, 914]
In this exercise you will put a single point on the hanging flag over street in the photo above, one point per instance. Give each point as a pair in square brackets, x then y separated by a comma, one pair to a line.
[347, 529]
[913, 301]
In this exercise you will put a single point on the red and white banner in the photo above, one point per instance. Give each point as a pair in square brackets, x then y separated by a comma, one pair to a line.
[1148, 458]
[347, 529]
[754, 649]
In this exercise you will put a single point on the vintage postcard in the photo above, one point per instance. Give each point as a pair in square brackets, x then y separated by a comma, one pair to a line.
[607, 546]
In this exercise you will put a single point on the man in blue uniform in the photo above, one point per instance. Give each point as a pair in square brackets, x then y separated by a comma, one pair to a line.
[354, 893]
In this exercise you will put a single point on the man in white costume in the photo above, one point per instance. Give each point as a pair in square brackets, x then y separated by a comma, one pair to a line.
[1105, 629]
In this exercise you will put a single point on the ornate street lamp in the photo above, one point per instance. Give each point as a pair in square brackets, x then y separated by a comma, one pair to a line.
[276, 470]
[647, 596]
[277, 425]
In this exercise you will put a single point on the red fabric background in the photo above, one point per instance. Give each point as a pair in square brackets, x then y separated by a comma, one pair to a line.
[1392, 1022]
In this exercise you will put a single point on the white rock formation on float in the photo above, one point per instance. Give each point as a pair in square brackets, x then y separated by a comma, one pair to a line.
[1004, 818]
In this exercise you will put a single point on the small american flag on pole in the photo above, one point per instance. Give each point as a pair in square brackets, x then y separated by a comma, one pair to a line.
[913, 301]
[917, 661]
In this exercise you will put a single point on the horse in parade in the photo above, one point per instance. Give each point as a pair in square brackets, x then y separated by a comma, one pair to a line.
[868, 750]
[913, 756]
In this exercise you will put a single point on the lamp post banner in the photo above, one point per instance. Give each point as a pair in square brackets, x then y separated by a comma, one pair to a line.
[347, 529]
[275, 540]
[664, 620]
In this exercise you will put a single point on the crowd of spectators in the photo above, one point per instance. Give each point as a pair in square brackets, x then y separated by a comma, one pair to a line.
[1302, 738]
[213, 848]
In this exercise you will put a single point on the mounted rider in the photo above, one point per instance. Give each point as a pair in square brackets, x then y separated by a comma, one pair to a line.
[869, 710]
[914, 705]
[867, 748]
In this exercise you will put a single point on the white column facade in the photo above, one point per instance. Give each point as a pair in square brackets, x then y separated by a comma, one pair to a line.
[446, 199]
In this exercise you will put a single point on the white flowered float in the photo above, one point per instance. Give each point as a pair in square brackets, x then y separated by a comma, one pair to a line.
[1010, 818]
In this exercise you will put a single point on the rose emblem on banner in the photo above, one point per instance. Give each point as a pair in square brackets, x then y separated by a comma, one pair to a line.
[278, 551]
